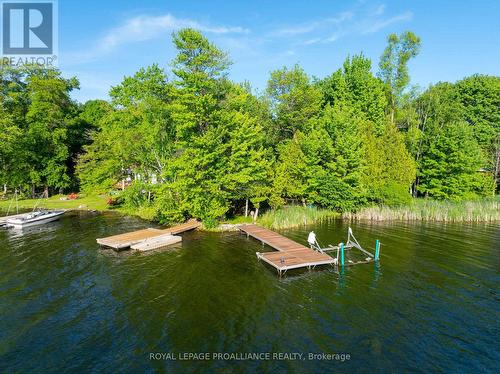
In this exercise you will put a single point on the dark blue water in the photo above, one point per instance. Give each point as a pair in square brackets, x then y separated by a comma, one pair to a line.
[432, 303]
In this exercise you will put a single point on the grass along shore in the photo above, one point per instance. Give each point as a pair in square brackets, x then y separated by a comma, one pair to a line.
[55, 202]
[293, 216]
[84, 202]
[481, 210]
[290, 216]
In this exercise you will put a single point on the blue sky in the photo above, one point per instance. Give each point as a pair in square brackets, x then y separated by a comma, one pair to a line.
[100, 42]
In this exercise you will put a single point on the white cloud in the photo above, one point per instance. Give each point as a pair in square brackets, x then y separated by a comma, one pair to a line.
[383, 23]
[140, 29]
[344, 24]
[143, 28]
[312, 41]
[331, 39]
[334, 37]
[315, 25]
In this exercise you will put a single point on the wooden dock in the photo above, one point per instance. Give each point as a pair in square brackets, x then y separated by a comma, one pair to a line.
[290, 255]
[133, 238]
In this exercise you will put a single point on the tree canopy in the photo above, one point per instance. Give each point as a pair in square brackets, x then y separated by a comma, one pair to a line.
[189, 142]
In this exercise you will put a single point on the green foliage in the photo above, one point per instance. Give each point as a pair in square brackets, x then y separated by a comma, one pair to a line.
[39, 128]
[134, 136]
[455, 156]
[219, 154]
[336, 194]
[451, 163]
[202, 146]
[394, 194]
[390, 167]
[290, 180]
[354, 88]
[294, 101]
[479, 96]
[292, 216]
[136, 195]
[168, 205]
[198, 63]
[394, 66]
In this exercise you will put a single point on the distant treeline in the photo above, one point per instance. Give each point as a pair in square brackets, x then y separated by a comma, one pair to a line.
[191, 142]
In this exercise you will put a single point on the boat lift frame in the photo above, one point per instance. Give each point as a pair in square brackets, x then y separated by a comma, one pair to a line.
[351, 242]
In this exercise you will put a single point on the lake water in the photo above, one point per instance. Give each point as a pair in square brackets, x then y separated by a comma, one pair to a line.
[65, 305]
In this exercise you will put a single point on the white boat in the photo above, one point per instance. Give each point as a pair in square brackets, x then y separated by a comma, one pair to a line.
[34, 218]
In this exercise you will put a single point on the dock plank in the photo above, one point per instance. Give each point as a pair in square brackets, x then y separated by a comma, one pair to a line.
[290, 255]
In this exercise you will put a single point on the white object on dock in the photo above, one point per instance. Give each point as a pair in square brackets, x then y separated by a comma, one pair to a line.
[156, 242]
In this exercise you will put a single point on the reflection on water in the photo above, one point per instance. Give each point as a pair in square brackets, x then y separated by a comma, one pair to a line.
[430, 304]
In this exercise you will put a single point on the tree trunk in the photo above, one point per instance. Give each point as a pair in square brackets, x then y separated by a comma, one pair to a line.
[33, 192]
[46, 192]
[256, 214]
[246, 208]
[4, 189]
[123, 184]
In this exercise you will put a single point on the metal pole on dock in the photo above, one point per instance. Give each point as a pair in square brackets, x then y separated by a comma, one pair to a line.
[342, 254]
[377, 249]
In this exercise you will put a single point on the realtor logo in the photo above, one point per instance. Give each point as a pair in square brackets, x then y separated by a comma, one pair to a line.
[28, 28]
[29, 33]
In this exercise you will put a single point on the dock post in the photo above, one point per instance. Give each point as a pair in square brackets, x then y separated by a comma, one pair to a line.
[377, 249]
[342, 254]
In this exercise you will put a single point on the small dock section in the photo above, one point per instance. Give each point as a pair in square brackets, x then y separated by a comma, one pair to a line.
[290, 255]
[157, 242]
[148, 238]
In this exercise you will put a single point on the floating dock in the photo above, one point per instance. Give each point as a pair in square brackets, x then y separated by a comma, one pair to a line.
[157, 242]
[143, 239]
[290, 255]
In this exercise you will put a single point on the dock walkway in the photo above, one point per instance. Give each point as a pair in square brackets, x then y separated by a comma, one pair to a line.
[290, 255]
[133, 238]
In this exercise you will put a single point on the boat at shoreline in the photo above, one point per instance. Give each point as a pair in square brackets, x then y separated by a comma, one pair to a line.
[34, 218]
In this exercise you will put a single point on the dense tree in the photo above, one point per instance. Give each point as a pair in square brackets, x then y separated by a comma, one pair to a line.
[394, 66]
[38, 116]
[355, 87]
[450, 166]
[480, 98]
[341, 187]
[134, 136]
[294, 102]
[440, 110]
[221, 155]
[390, 167]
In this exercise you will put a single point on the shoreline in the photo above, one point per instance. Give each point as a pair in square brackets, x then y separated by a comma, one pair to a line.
[476, 211]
